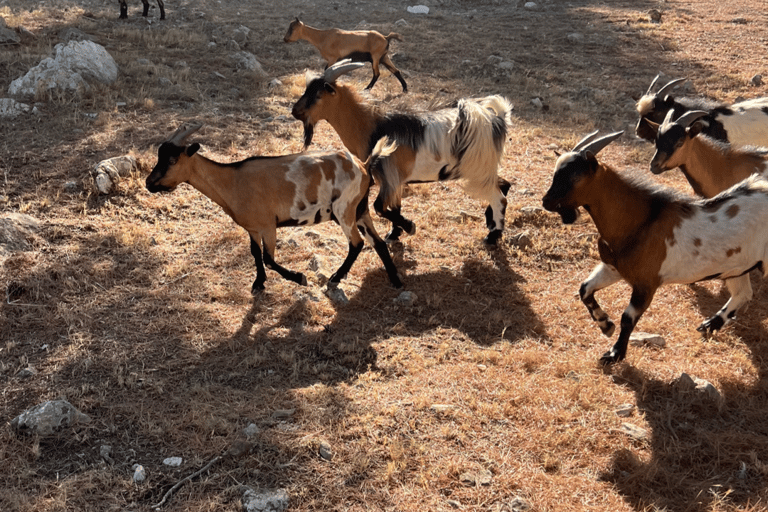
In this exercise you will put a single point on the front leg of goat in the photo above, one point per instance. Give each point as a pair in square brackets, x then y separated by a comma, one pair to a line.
[393, 215]
[741, 293]
[269, 242]
[354, 252]
[601, 277]
[261, 274]
[641, 299]
[367, 229]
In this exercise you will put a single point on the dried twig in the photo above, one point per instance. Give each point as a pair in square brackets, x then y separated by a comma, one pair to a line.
[184, 480]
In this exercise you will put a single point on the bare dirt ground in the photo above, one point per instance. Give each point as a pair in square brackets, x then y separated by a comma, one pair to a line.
[136, 307]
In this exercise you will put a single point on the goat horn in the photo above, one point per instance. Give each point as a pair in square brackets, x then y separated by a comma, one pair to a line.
[650, 87]
[184, 131]
[595, 146]
[688, 118]
[585, 140]
[338, 69]
[667, 88]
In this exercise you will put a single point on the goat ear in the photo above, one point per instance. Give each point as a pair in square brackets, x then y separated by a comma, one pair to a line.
[591, 160]
[695, 128]
[329, 88]
[191, 150]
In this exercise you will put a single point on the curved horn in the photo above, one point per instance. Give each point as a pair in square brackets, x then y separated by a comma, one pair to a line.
[595, 146]
[688, 118]
[338, 69]
[184, 131]
[650, 87]
[585, 140]
[667, 88]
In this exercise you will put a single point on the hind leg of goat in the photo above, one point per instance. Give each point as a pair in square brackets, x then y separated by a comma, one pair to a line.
[494, 218]
[641, 299]
[391, 67]
[269, 243]
[601, 277]
[376, 73]
[741, 293]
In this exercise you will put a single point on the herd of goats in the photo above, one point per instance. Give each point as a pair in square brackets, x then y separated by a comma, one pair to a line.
[649, 234]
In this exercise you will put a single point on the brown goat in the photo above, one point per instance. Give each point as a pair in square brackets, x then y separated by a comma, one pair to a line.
[262, 194]
[356, 45]
[124, 8]
[709, 165]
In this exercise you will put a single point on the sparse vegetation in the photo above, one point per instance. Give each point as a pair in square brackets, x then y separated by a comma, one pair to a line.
[135, 307]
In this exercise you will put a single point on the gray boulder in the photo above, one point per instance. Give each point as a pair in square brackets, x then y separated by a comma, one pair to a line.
[46, 418]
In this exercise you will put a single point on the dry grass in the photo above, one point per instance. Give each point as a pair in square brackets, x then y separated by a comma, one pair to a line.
[136, 307]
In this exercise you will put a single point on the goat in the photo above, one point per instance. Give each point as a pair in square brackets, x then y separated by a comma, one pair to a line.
[465, 142]
[265, 193]
[124, 8]
[741, 124]
[357, 45]
[652, 236]
[709, 165]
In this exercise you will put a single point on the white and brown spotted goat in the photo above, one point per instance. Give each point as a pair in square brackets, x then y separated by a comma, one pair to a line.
[462, 143]
[709, 165]
[741, 124]
[124, 8]
[262, 194]
[356, 45]
[651, 236]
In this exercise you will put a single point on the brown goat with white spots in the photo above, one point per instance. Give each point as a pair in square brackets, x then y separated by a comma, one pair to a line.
[651, 236]
[709, 165]
[124, 8]
[262, 194]
[462, 143]
[356, 45]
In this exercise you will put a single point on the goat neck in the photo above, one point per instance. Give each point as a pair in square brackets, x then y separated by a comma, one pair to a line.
[354, 122]
[213, 180]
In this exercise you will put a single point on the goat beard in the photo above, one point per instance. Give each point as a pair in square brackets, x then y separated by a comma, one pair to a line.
[309, 131]
[568, 215]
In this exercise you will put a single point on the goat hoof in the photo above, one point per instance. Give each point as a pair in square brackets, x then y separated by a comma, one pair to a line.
[302, 280]
[710, 325]
[411, 229]
[610, 357]
[609, 329]
[492, 239]
[257, 288]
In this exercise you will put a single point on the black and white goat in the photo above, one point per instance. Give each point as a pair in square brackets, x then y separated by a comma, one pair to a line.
[709, 165]
[651, 236]
[741, 124]
[262, 194]
[461, 143]
[124, 8]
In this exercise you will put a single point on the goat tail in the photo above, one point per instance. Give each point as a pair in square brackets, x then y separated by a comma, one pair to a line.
[384, 171]
[477, 143]
[393, 35]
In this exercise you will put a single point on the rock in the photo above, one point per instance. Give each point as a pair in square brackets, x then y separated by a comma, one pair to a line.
[9, 36]
[10, 108]
[105, 452]
[518, 504]
[739, 21]
[164, 82]
[46, 418]
[401, 23]
[27, 372]
[702, 387]
[265, 501]
[625, 410]
[536, 102]
[240, 35]
[531, 6]
[107, 173]
[638, 339]
[283, 414]
[405, 299]
[635, 432]
[139, 473]
[530, 210]
[575, 38]
[251, 430]
[336, 294]
[17, 232]
[174, 462]
[248, 62]
[274, 83]
[441, 407]
[180, 64]
[75, 64]
[232, 46]
[494, 60]
[479, 477]
[757, 80]
[521, 240]
[654, 15]
[507, 65]
[325, 451]
[418, 9]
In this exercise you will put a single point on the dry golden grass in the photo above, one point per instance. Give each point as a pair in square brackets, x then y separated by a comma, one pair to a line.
[136, 307]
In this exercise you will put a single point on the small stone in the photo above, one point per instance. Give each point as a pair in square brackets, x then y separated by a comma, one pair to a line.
[336, 295]
[536, 102]
[757, 80]
[418, 9]
[405, 299]
[401, 23]
[635, 432]
[105, 452]
[518, 504]
[274, 83]
[494, 60]
[441, 407]
[654, 15]
[283, 414]
[530, 210]
[27, 372]
[251, 430]
[638, 339]
[143, 62]
[265, 500]
[174, 462]
[325, 451]
[139, 473]
[454, 503]
[739, 21]
[575, 38]
[625, 410]
[531, 6]
[521, 240]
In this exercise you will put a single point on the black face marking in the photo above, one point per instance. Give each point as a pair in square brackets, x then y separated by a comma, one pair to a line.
[315, 89]
[669, 140]
[167, 155]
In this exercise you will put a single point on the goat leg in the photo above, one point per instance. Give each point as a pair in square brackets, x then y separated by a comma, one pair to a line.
[639, 302]
[741, 293]
[261, 274]
[602, 276]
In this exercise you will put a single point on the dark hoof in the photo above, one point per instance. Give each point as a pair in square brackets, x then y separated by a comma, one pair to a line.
[302, 280]
[257, 288]
[711, 325]
[492, 239]
[609, 329]
[410, 228]
[394, 235]
[610, 357]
